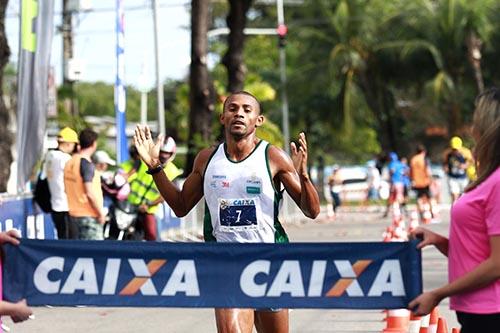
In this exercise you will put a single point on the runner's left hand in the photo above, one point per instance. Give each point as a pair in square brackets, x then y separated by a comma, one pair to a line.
[299, 155]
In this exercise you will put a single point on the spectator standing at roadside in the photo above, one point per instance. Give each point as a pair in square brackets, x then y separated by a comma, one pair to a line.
[406, 182]
[373, 181]
[473, 247]
[145, 195]
[133, 165]
[55, 161]
[335, 186]
[455, 166]
[102, 162]
[396, 178]
[421, 178]
[83, 187]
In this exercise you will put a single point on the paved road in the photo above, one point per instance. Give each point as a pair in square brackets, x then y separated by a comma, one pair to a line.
[350, 226]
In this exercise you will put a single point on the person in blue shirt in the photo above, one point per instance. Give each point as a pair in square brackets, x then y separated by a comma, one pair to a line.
[396, 178]
[406, 182]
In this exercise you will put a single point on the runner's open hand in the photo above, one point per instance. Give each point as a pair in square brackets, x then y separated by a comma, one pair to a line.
[299, 155]
[148, 150]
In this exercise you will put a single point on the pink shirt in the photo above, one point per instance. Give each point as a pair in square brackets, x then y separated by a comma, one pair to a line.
[474, 218]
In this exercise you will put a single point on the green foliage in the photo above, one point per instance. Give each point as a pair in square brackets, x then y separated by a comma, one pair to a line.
[354, 69]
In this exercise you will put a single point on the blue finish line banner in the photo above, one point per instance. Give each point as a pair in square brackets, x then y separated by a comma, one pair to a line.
[144, 274]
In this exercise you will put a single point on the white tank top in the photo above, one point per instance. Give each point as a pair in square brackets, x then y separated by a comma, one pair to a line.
[241, 203]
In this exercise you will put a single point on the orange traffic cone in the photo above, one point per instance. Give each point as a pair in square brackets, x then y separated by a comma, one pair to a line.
[397, 321]
[427, 215]
[414, 323]
[455, 330]
[423, 329]
[442, 327]
[433, 320]
[388, 234]
[413, 221]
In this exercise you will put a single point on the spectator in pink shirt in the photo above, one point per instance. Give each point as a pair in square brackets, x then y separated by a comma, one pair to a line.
[473, 247]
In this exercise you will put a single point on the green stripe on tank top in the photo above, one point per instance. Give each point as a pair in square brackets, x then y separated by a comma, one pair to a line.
[280, 235]
[208, 229]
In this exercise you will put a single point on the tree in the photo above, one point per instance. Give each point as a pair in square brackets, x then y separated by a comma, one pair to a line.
[201, 93]
[452, 31]
[6, 139]
[233, 59]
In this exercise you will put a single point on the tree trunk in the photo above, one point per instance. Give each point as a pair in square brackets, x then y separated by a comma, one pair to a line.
[233, 59]
[6, 139]
[201, 90]
[474, 44]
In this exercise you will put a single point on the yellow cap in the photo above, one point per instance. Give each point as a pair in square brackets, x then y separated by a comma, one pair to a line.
[456, 142]
[67, 135]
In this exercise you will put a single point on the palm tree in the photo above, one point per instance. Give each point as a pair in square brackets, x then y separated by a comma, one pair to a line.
[445, 29]
[357, 31]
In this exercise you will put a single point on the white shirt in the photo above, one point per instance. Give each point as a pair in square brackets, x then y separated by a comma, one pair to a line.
[55, 161]
[241, 199]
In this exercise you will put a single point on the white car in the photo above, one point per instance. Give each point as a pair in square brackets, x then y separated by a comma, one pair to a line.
[354, 183]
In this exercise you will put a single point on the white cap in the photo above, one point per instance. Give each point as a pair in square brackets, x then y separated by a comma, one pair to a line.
[101, 156]
[169, 146]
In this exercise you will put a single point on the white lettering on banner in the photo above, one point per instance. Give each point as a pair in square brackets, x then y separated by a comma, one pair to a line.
[9, 224]
[317, 278]
[389, 279]
[111, 276]
[183, 279]
[30, 227]
[247, 278]
[141, 269]
[39, 226]
[82, 276]
[345, 270]
[41, 275]
[289, 279]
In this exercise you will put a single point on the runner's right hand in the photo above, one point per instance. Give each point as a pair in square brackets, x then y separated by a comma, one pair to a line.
[148, 150]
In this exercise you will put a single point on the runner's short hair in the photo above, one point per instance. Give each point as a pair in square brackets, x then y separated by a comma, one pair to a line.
[243, 92]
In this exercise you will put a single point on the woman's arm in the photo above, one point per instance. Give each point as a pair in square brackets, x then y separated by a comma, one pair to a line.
[484, 274]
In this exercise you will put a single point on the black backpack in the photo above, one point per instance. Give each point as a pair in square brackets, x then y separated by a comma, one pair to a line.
[41, 193]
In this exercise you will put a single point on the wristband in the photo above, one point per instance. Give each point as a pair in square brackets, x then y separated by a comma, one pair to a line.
[155, 170]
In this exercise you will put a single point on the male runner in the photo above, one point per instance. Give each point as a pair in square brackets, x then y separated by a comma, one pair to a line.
[242, 167]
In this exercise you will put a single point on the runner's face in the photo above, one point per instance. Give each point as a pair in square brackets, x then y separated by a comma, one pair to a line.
[241, 115]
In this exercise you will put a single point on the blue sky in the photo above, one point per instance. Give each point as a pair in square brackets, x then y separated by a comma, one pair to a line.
[95, 38]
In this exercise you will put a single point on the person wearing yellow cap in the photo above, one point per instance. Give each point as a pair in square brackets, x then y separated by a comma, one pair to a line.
[467, 154]
[455, 166]
[55, 161]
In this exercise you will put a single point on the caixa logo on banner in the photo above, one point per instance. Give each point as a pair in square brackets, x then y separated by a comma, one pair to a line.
[54, 275]
[289, 279]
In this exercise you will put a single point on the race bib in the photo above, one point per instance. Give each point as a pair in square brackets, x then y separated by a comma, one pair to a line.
[238, 214]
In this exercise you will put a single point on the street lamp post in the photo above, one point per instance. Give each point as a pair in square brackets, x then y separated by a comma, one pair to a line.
[159, 84]
[282, 30]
